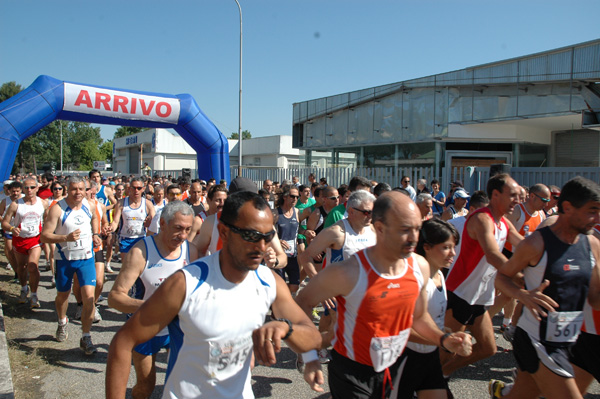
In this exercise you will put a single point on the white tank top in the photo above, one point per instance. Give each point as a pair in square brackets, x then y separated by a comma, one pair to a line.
[353, 242]
[211, 340]
[69, 221]
[436, 307]
[133, 220]
[157, 270]
[8, 202]
[29, 217]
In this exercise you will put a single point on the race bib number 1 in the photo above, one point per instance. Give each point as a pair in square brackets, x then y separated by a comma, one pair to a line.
[386, 350]
[563, 326]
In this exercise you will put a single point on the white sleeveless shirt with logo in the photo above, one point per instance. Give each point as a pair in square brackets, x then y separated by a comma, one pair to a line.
[29, 217]
[211, 339]
[157, 270]
[69, 221]
[133, 220]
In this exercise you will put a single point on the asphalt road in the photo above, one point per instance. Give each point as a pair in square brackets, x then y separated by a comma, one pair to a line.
[80, 376]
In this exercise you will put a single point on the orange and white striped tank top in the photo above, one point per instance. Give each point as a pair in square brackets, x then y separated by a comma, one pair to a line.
[378, 312]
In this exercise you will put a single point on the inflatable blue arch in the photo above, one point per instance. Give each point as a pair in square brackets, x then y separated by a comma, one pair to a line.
[48, 99]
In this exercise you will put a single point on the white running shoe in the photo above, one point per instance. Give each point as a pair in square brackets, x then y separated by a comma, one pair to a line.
[97, 316]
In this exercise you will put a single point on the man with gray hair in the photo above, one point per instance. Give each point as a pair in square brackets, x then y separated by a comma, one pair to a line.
[340, 241]
[424, 202]
[28, 218]
[74, 227]
[143, 272]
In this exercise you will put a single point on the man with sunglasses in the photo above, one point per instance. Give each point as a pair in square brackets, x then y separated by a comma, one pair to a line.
[528, 215]
[220, 303]
[136, 213]
[340, 242]
[551, 208]
[151, 261]
[405, 181]
[208, 240]
[28, 213]
[339, 212]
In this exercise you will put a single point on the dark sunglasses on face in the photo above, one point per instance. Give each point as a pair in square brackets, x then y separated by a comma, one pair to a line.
[57, 188]
[334, 197]
[542, 198]
[251, 235]
[29, 187]
[406, 181]
[363, 211]
[294, 196]
[137, 188]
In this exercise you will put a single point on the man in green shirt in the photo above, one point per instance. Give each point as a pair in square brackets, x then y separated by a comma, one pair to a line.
[337, 213]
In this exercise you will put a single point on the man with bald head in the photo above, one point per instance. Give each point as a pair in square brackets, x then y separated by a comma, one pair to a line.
[381, 295]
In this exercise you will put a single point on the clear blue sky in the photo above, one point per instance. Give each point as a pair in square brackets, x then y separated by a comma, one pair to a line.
[293, 50]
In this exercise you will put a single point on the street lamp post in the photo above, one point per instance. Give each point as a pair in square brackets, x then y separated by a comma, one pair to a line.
[240, 100]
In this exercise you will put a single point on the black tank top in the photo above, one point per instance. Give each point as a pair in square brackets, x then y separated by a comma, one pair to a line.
[324, 216]
[569, 270]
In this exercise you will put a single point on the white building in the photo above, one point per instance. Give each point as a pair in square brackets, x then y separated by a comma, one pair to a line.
[165, 150]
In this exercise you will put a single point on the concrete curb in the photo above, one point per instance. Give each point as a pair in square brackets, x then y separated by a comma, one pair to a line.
[6, 386]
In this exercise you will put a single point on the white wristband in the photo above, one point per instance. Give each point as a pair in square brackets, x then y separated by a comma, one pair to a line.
[310, 356]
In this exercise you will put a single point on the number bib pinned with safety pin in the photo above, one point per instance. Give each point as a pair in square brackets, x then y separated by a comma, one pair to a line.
[385, 351]
[563, 326]
[227, 358]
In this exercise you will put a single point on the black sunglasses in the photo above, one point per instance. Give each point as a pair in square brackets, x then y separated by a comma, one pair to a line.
[137, 188]
[29, 187]
[363, 211]
[57, 188]
[334, 197]
[251, 235]
[294, 196]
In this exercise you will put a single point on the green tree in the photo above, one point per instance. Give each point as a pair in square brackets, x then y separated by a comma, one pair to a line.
[245, 135]
[9, 89]
[106, 151]
[127, 131]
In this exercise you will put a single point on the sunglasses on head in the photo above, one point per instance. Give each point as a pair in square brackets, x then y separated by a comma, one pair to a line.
[363, 211]
[251, 235]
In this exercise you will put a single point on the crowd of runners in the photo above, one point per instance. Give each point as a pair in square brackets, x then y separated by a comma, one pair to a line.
[409, 279]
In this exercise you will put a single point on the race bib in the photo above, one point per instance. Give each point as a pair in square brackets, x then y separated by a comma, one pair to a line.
[291, 251]
[227, 358]
[385, 351]
[135, 227]
[563, 326]
[82, 244]
[31, 227]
